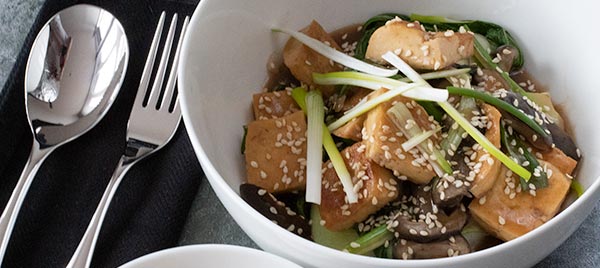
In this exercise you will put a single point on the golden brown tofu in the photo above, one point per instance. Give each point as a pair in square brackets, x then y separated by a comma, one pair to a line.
[351, 130]
[375, 186]
[507, 212]
[487, 172]
[276, 153]
[420, 49]
[303, 61]
[559, 159]
[354, 96]
[269, 105]
[384, 142]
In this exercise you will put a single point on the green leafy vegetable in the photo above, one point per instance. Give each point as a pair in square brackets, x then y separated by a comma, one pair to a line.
[484, 142]
[466, 107]
[460, 119]
[370, 241]
[432, 109]
[243, 147]
[518, 151]
[482, 55]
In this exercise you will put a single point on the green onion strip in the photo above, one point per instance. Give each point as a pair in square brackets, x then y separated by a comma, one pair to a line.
[460, 119]
[315, 112]
[299, 95]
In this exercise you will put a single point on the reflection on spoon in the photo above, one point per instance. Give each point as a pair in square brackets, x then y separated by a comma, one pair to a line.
[74, 72]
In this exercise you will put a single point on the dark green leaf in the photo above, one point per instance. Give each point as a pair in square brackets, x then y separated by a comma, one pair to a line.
[243, 147]
[518, 151]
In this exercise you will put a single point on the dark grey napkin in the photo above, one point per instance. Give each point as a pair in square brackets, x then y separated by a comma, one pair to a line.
[149, 209]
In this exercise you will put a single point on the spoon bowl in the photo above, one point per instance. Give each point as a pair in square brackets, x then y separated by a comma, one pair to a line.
[74, 72]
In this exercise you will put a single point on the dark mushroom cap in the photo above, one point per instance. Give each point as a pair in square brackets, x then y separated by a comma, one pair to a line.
[267, 205]
[453, 246]
[431, 227]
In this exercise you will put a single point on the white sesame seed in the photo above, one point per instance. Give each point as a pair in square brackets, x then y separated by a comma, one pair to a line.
[501, 220]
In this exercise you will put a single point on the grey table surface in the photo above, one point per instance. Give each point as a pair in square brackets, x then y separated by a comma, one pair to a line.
[208, 221]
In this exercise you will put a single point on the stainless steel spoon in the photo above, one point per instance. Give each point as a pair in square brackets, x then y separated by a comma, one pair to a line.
[74, 72]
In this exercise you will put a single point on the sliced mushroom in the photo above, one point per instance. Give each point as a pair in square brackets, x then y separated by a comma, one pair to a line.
[507, 55]
[453, 246]
[541, 142]
[432, 227]
[563, 141]
[448, 192]
[490, 80]
[267, 205]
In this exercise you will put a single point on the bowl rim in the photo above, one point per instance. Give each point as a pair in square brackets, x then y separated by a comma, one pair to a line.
[217, 181]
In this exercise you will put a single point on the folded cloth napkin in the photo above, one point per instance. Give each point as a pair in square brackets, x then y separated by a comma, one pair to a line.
[151, 205]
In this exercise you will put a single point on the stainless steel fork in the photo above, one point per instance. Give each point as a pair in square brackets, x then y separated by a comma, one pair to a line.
[150, 127]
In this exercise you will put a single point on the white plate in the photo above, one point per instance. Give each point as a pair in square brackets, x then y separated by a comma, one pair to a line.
[214, 256]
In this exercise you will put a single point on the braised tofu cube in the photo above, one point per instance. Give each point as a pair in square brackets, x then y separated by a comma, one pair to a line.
[375, 186]
[384, 142]
[351, 130]
[507, 212]
[303, 61]
[419, 48]
[276, 153]
[269, 105]
[485, 167]
[559, 159]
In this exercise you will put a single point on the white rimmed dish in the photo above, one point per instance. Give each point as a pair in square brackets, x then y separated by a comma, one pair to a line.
[210, 255]
[224, 63]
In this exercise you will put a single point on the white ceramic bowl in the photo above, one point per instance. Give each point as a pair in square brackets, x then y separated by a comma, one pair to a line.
[224, 63]
[209, 255]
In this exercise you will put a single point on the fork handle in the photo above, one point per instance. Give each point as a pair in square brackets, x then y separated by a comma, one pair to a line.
[82, 257]
[11, 211]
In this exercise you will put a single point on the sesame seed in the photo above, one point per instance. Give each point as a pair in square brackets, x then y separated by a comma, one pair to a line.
[501, 220]
[354, 245]
[482, 200]
[254, 164]
[307, 62]
[262, 192]
[263, 174]
[273, 210]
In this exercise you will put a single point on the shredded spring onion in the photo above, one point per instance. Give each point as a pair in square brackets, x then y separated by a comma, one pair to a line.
[416, 140]
[397, 62]
[440, 74]
[315, 113]
[376, 82]
[366, 106]
[484, 57]
[461, 120]
[337, 56]
[299, 95]
[577, 187]
[484, 142]
[370, 241]
[405, 122]
[500, 104]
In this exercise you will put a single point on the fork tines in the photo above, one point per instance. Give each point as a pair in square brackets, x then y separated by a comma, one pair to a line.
[150, 97]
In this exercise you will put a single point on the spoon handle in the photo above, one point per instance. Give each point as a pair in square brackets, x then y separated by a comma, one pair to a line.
[85, 250]
[11, 211]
